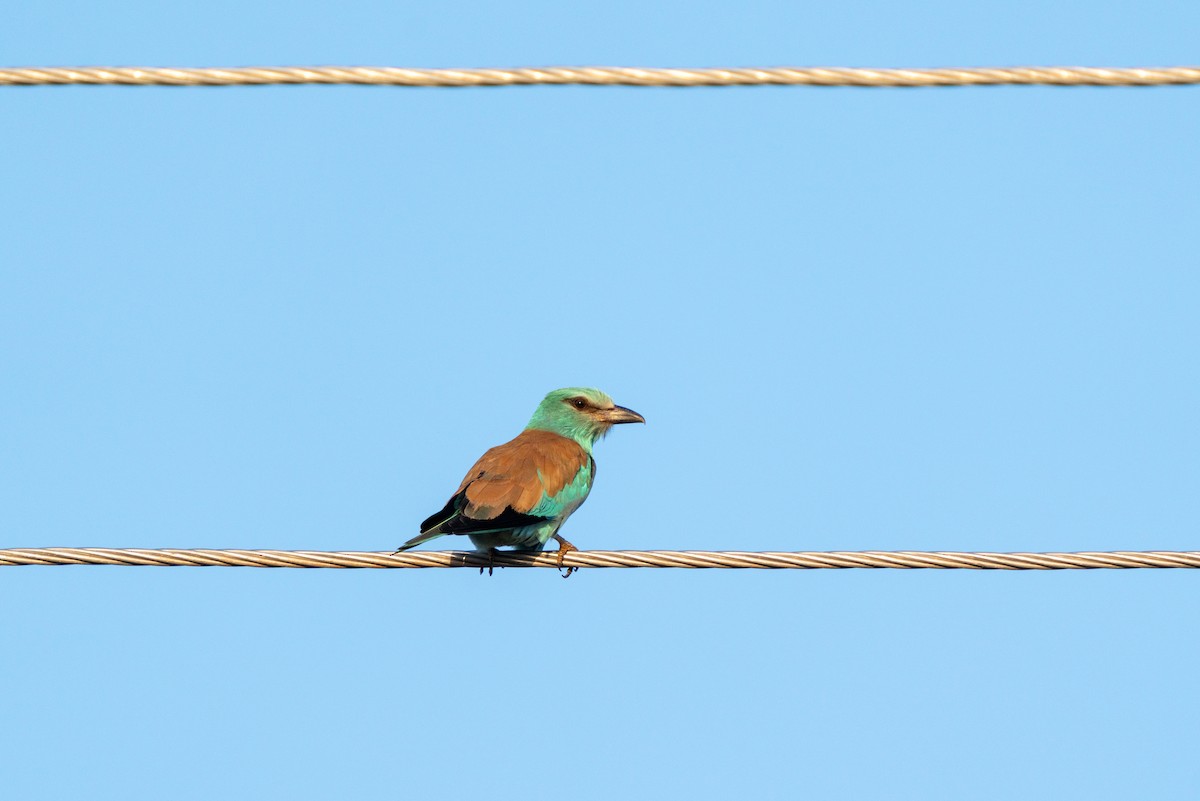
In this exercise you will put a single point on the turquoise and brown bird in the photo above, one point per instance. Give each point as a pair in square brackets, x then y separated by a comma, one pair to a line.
[520, 493]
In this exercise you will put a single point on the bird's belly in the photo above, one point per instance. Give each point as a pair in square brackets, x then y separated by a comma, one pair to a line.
[532, 538]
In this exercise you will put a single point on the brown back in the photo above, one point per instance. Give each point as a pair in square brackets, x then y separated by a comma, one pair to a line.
[517, 473]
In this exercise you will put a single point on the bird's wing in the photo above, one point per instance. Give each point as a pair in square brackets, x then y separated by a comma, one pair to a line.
[510, 482]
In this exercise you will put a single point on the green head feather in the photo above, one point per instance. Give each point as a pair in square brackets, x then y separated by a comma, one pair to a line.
[580, 413]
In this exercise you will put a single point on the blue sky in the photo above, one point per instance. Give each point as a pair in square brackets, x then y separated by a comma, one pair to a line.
[291, 318]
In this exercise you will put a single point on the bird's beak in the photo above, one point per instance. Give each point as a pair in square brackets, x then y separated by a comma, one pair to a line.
[619, 414]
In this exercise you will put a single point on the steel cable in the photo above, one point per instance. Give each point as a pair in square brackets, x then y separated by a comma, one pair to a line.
[601, 76]
[802, 560]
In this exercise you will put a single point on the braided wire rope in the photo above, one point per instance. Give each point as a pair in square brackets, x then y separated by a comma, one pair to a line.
[801, 560]
[602, 76]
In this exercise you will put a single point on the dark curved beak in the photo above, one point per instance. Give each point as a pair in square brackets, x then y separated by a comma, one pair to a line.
[619, 414]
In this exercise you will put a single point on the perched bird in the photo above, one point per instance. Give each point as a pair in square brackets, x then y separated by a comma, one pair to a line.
[520, 493]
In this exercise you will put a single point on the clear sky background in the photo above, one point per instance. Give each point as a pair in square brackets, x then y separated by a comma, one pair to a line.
[886, 319]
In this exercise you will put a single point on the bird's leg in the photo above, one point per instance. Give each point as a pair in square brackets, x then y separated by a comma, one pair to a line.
[563, 548]
[491, 561]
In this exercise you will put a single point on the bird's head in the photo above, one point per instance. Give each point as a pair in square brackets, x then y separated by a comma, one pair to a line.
[581, 414]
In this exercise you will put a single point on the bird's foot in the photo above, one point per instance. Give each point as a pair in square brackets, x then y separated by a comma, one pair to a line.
[491, 562]
[563, 548]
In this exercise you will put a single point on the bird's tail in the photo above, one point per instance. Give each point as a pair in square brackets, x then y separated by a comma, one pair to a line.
[424, 536]
[435, 525]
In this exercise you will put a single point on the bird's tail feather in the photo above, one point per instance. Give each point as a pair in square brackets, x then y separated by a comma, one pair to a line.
[434, 526]
[424, 536]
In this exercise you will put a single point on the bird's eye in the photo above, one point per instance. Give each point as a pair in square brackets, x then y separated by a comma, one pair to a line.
[579, 403]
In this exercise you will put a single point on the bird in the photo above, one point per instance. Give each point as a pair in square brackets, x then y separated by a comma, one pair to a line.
[520, 493]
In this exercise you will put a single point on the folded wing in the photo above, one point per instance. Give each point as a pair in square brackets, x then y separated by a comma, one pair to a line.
[508, 482]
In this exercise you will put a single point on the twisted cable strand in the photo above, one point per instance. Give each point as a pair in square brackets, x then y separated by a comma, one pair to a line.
[803, 560]
[601, 76]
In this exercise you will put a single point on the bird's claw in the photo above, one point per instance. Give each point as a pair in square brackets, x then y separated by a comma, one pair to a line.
[563, 548]
[491, 562]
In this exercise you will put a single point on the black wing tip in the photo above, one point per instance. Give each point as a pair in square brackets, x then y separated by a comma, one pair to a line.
[450, 520]
[448, 513]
